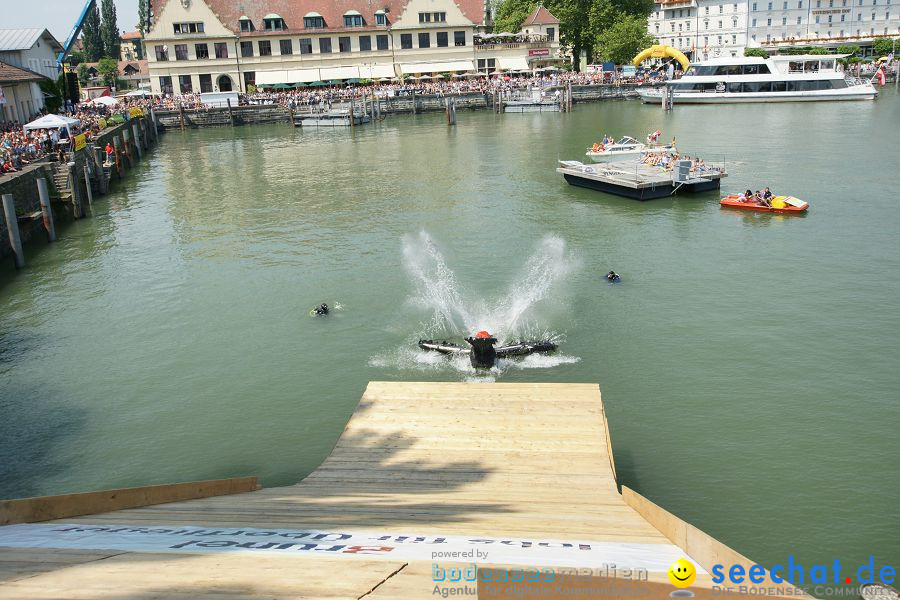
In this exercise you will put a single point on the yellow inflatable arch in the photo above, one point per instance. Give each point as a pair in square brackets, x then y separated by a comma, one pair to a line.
[660, 51]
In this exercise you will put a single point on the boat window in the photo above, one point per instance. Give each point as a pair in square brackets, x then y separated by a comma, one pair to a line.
[765, 86]
[827, 64]
[734, 88]
[733, 70]
[795, 67]
[707, 70]
[838, 84]
[779, 86]
[812, 66]
[750, 87]
[751, 69]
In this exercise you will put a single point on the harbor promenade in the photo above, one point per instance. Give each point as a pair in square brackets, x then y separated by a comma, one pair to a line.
[426, 478]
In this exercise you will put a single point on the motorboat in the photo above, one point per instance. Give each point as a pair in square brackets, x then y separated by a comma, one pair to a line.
[625, 148]
[787, 78]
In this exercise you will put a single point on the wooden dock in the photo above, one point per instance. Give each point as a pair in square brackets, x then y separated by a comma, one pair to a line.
[522, 471]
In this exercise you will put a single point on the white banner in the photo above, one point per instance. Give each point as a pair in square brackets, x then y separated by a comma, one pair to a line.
[367, 545]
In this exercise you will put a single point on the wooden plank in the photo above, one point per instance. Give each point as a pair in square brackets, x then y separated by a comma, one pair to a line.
[46, 508]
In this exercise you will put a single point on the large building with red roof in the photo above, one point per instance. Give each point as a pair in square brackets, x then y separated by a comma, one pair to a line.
[228, 45]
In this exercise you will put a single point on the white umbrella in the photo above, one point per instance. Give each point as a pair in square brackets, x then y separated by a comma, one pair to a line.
[105, 100]
[139, 93]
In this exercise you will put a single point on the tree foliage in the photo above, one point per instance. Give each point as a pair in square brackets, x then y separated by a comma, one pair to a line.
[109, 29]
[142, 17]
[84, 74]
[624, 39]
[93, 42]
[883, 47]
[756, 52]
[108, 68]
[52, 95]
[581, 21]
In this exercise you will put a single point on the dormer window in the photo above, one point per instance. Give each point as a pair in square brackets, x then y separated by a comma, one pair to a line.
[313, 20]
[273, 22]
[381, 17]
[246, 24]
[353, 19]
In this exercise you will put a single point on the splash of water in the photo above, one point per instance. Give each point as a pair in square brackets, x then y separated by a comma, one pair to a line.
[453, 312]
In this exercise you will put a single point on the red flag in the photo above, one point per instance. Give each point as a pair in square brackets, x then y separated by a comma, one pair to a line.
[880, 75]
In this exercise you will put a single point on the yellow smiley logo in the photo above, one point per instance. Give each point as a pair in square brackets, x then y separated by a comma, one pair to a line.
[682, 573]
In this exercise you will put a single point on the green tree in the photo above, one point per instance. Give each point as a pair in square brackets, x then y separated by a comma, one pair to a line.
[511, 13]
[142, 24]
[93, 43]
[52, 97]
[624, 39]
[756, 52]
[109, 29]
[108, 69]
[883, 47]
[75, 57]
[84, 74]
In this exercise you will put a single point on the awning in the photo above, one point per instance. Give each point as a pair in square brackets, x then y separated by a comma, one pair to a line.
[437, 67]
[515, 64]
[340, 73]
[302, 75]
[271, 77]
[376, 71]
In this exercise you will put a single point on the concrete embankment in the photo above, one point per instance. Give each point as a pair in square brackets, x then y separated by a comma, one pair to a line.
[410, 104]
[48, 192]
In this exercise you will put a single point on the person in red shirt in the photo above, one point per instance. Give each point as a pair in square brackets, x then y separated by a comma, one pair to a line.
[109, 152]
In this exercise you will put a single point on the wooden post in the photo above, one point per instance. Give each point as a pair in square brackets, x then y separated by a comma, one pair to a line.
[46, 209]
[137, 140]
[453, 109]
[351, 112]
[153, 124]
[181, 112]
[414, 101]
[126, 144]
[117, 144]
[12, 225]
[290, 110]
[87, 186]
[231, 115]
[77, 209]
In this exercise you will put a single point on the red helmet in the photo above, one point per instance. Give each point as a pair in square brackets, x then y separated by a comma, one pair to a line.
[482, 334]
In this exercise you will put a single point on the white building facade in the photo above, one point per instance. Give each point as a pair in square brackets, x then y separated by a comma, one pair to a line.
[223, 45]
[32, 49]
[703, 29]
[706, 29]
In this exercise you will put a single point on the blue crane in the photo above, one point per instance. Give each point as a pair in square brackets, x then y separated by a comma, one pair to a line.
[89, 5]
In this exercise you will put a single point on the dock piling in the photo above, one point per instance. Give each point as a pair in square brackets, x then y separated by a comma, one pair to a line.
[46, 209]
[90, 193]
[230, 114]
[12, 225]
[117, 144]
[137, 140]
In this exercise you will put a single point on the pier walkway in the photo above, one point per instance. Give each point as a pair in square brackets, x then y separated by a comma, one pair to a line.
[521, 473]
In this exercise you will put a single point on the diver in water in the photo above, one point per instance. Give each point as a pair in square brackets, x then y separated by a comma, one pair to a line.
[483, 354]
[320, 311]
[613, 277]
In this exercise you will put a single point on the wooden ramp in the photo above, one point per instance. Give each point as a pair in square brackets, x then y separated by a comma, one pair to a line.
[500, 461]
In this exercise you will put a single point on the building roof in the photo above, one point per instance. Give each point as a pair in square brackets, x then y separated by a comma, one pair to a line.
[139, 66]
[131, 35]
[540, 16]
[23, 39]
[293, 11]
[11, 74]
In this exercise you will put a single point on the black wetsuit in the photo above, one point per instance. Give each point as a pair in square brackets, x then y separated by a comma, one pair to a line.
[321, 310]
[483, 354]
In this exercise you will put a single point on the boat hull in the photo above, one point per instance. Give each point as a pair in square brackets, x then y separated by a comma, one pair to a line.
[733, 202]
[649, 97]
[642, 193]
[599, 157]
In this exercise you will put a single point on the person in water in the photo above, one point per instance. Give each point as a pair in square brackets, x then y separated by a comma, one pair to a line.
[612, 276]
[321, 310]
[483, 354]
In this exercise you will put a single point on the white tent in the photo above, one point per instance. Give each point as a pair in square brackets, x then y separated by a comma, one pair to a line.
[52, 122]
[105, 100]
[139, 93]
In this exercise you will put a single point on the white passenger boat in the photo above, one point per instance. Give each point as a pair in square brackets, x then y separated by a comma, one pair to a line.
[625, 148]
[788, 78]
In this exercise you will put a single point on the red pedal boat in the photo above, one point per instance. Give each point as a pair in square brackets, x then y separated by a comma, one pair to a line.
[780, 204]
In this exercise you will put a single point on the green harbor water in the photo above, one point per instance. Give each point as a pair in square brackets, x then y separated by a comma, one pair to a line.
[749, 363]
